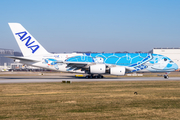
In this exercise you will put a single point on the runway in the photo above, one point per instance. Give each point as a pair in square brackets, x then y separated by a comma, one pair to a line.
[37, 79]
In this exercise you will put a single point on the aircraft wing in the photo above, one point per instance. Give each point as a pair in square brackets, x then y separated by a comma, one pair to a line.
[78, 65]
[85, 65]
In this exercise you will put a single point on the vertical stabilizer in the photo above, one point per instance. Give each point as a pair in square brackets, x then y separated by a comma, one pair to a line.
[28, 44]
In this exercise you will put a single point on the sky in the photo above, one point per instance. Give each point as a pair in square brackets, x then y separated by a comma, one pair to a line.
[93, 25]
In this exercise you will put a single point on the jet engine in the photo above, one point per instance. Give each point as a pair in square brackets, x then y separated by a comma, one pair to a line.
[118, 71]
[98, 68]
[17, 61]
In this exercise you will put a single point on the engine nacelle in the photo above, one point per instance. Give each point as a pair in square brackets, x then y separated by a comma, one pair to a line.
[17, 61]
[117, 71]
[97, 69]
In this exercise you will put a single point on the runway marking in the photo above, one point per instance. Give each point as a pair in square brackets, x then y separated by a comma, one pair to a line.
[5, 80]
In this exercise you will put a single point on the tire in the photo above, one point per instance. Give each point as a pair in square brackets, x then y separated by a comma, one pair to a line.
[166, 76]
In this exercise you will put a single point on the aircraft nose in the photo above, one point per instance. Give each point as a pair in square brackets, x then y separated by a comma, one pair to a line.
[175, 66]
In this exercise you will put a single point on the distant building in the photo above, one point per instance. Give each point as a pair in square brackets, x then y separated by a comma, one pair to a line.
[4, 60]
[172, 53]
[18, 54]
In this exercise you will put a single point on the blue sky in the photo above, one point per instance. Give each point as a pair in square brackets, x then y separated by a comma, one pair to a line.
[93, 25]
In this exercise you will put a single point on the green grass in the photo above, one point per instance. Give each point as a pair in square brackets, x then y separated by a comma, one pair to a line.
[91, 100]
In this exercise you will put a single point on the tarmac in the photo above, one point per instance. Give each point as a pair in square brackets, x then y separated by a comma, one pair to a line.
[43, 79]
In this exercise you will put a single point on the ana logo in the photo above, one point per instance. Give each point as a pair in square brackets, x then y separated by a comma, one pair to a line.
[29, 43]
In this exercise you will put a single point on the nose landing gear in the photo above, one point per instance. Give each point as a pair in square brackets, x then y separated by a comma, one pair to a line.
[166, 75]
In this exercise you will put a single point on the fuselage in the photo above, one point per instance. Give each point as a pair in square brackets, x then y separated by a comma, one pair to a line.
[141, 62]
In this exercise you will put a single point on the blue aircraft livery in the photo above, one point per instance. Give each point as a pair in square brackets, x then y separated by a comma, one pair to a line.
[92, 64]
[23, 37]
[138, 61]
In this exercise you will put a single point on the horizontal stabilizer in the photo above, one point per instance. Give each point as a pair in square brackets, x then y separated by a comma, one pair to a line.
[22, 58]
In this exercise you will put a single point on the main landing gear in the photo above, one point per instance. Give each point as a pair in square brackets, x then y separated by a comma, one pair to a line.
[94, 76]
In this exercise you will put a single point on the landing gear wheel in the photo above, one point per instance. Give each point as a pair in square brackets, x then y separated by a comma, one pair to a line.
[166, 76]
[94, 76]
[100, 76]
[89, 76]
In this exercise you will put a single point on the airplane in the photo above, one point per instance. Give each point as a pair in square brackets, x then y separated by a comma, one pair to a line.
[95, 65]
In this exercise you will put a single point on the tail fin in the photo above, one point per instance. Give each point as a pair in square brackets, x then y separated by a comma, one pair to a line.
[28, 44]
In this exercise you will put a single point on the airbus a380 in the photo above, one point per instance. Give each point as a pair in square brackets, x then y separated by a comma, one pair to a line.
[93, 64]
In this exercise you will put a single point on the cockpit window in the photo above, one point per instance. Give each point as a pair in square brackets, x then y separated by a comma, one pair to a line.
[171, 61]
[165, 59]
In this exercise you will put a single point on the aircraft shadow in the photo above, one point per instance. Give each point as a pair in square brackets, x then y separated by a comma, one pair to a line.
[55, 78]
